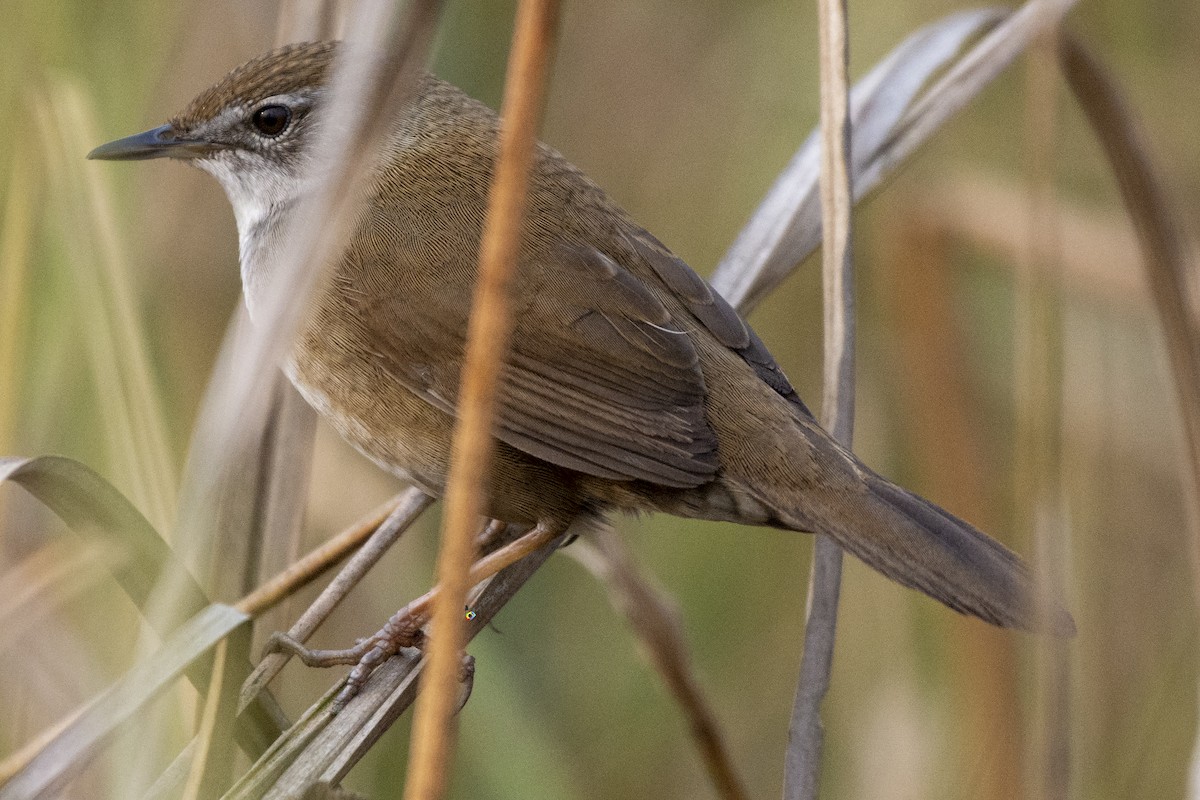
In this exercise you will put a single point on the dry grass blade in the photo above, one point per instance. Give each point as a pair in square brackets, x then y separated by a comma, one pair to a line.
[656, 621]
[311, 566]
[384, 531]
[488, 334]
[286, 469]
[962, 83]
[271, 525]
[169, 784]
[17, 760]
[802, 762]
[372, 82]
[94, 508]
[213, 754]
[258, 519]
[70, 750]
[888, 127]
[1166, 251]
[786, 227]
[15, 230]
[321, 748]
[1164, 244]
[202, 755]
[1038, 382]
[140, 559]
[134, 423]
[50, 577]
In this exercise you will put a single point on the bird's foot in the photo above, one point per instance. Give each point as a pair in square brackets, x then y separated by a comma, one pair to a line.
[402, 630]
[405, 628]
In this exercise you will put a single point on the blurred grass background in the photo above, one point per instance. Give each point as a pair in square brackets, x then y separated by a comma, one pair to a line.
[684, 111]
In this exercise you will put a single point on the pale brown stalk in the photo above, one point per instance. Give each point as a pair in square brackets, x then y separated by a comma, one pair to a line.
[485, 568]
[380, 529]
[16, 228]
[488, 334]
[658, 625]
[208, 723]
[1167, 253]
[1165, 247]
[1038, 384]
[309, 21]
[937, 405]
[802, 760]
[307, 569]
[19, 759]
[134, 425]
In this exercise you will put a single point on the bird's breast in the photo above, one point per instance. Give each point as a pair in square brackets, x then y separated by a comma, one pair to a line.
[333, 368]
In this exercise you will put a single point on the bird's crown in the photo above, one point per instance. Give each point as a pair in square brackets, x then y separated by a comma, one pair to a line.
[285, 70]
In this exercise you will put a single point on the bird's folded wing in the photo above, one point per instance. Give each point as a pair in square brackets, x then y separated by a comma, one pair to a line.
[599, 378]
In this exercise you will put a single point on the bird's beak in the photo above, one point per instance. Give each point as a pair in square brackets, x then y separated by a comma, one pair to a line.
[161, 142]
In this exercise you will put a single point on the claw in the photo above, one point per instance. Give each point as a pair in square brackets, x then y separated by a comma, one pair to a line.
[402, 630]
[466, 677]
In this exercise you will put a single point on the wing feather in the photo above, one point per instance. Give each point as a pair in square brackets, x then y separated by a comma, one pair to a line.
[600, 378]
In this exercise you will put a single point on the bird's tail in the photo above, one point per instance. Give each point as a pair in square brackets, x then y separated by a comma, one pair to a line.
[913, 542]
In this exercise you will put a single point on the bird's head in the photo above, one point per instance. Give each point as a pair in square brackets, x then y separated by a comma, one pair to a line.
[251, 130]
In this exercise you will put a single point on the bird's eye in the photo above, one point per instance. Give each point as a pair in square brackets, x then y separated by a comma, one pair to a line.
[271, 120]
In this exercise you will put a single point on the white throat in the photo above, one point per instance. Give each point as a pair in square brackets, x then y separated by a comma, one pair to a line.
[261, 199]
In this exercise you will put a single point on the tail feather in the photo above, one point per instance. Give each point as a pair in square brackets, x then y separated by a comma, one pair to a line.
[913, 542]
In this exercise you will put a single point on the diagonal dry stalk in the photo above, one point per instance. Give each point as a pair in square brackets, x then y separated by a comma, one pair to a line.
[1167, 251]
[133, 419]
[802, 762]
[1165, 246]
[892, 119]
[488, 334]
[656, 620]
[280, 491]
[321, 748]
[384, 525]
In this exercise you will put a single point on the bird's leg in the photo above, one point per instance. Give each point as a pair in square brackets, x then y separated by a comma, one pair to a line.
[492, 536]
[405, 627]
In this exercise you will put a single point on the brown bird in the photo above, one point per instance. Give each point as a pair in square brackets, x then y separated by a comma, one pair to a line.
[630, 383]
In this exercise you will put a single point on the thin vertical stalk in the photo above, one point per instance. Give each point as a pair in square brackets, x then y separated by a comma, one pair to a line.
[134, 422]
[936, 406]
[488, 335]
[805, 734]
[16, 228]
[1168, 261]
[1039, 382]
[309, 21]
